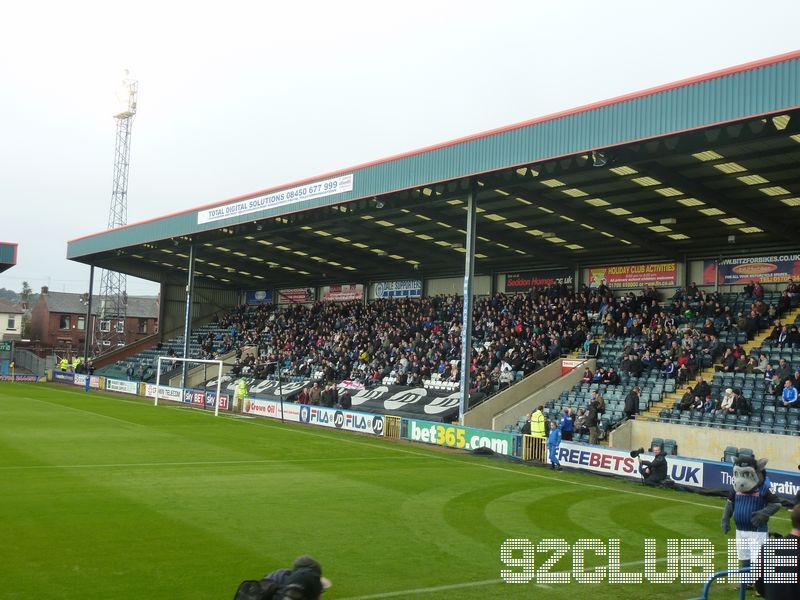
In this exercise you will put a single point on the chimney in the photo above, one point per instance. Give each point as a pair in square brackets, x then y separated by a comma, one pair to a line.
[45, 289]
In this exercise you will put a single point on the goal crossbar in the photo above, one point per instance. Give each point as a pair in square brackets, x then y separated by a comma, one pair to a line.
[219, 364]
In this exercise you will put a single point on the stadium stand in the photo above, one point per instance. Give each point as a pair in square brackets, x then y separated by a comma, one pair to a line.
[661, 349]
[396, 341]
[208, 340]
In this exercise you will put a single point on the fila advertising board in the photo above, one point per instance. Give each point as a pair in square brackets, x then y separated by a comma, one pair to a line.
[342, 419]
[333, 418]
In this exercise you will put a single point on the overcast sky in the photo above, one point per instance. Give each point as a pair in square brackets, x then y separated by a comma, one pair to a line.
[235, 97]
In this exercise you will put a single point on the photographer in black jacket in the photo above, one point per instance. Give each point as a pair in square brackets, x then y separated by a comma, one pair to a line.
[653, 472]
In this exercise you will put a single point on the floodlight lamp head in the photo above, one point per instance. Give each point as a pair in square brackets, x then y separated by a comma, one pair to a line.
[125, 97]
[599, 159]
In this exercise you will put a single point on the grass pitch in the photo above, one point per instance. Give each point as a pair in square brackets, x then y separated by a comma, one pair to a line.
[105, 496]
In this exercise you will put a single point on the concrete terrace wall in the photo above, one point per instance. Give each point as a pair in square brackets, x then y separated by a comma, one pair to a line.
[783, 451]
[506, 407]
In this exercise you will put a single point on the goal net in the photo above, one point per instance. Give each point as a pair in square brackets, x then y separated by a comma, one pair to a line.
[169, 369]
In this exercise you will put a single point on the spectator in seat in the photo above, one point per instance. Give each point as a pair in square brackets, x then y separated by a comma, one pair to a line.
[775, 385]
[741, 404]
[784, 371]
[592, 348]
[789, 396]
[611, 377]
[763, 363]
[668, 370]
[728, 361]
[637, 367]
[709, 329]
[687, 400]
[794, 337]
[783, 337]
[709, 405]
[784, 302]
[726, 403]
[587, 375]
[758, 291]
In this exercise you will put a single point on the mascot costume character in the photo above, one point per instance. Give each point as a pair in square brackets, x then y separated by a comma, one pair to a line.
[751, 503]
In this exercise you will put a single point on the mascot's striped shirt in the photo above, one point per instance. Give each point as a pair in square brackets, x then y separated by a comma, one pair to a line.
[745, 504]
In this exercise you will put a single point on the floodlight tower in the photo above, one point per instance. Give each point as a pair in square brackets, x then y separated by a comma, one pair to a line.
[109, 327]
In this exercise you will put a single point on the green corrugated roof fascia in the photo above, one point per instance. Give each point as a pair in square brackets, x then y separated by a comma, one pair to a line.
[730, 97]
[8, 254]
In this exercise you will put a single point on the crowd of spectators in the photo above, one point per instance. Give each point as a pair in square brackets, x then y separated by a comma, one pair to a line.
[409, 340]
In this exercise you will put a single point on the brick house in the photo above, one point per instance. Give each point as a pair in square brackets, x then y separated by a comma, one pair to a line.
[59, 319]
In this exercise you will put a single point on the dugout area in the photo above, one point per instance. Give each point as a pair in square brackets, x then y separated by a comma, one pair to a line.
[704, 168]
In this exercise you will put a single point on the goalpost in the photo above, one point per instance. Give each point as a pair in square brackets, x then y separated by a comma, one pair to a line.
[219, 364]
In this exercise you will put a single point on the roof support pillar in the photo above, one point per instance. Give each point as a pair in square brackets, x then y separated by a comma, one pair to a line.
[88, 327]
[187, 320]
[466, 319]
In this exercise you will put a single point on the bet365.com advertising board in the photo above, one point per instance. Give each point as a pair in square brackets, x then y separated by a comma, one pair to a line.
[463, 438]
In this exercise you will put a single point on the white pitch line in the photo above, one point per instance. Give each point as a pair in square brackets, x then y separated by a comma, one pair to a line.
[203, 463]
[466, 584]
[428, 590]
[266, 423]
[504, 469]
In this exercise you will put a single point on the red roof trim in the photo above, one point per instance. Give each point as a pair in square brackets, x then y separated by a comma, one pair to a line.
[793, 55]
